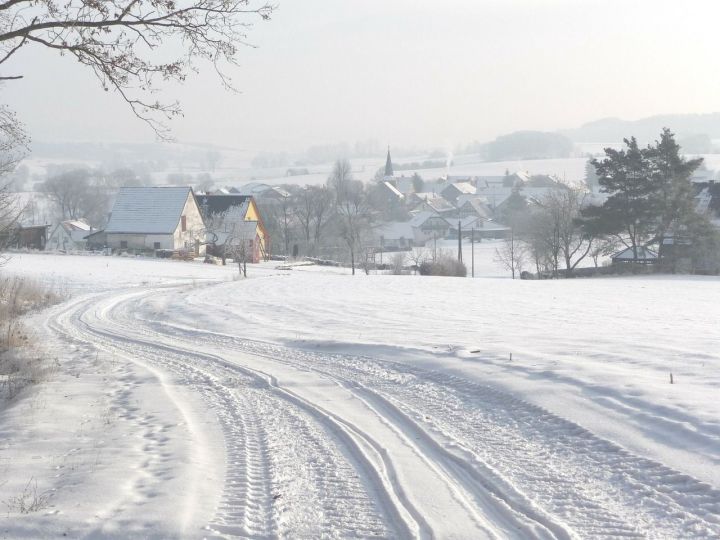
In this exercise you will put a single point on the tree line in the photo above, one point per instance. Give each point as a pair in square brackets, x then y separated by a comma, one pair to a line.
[334, 220]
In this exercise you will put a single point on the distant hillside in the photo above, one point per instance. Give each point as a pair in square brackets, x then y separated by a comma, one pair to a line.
[204, 156]
[646, 130]
[526, 145]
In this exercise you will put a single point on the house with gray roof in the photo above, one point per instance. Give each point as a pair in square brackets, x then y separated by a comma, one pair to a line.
[156, 218]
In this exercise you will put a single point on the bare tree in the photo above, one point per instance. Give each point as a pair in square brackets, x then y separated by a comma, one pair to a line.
[418, 257]
[540, 231]
[511, 255]
[553, 232]
[323, 214]
[352, 208]
[13, 140]
[13, 146]
[313, 210]
[239, 245]
[604, 247]
[125, 42]
[575, 243]
[80, 194]
[304, 203]
[285, 218]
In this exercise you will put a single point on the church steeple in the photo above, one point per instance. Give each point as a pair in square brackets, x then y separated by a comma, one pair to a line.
[388, 164]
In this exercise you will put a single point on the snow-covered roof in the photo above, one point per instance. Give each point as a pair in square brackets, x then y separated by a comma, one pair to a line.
[393, 190]
[464, 187]
[486, 181]
[253, 188]
[76, 225]
[523, 175]
[643, 253]
[428, 195]
[278, 190]
[438, 205]
[221, 204]
[147, 210]
[479, 204]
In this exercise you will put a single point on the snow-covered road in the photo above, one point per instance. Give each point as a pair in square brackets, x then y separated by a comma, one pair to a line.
[308, 404]
[322, 444]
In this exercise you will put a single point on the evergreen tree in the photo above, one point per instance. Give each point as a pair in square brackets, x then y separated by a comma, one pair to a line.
[672, 173]
[650, 196]
[591, 177]
[630, 211]
[418, 183]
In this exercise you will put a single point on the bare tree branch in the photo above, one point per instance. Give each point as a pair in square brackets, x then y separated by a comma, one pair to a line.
[121, 40]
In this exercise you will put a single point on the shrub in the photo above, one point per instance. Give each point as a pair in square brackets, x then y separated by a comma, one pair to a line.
[443, 265]
[397, 264]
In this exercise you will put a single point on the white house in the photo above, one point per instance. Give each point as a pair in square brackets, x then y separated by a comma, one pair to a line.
[69, 236]
[154, 218]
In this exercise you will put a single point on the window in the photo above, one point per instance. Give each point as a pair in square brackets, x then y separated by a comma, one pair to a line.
[156, 245]
[183, 223]
[123, 244]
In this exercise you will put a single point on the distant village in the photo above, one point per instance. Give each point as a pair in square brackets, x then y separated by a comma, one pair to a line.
[347, 221]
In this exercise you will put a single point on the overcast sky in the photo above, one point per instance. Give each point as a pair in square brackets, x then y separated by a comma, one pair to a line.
[412, 72]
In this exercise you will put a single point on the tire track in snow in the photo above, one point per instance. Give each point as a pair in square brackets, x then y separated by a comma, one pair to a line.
[509, 513]
[335, 500]
[595, 487]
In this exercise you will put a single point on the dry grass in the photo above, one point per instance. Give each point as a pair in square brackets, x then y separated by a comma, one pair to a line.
[20, 364]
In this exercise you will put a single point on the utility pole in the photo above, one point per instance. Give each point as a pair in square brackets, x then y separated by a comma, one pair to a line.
[459, 240]
[472, 250]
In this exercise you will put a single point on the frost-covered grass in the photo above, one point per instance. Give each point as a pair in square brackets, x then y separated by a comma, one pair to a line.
[22, 361]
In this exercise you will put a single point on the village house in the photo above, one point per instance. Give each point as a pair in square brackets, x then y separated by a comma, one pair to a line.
[156, 218]
[69, 235]
[428, 226]
[395, 236]
[707, 200]
[437, 205]
[403, 235]
[227, 218]
[455, 190]
[472, 206]
[477, 227]
[413, 199]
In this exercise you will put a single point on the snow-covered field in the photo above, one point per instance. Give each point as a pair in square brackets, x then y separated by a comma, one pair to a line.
[311, 403]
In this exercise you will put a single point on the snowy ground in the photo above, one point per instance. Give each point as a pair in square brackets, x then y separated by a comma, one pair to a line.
[308, 403]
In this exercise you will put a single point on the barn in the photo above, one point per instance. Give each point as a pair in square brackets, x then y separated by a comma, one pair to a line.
[147, 219]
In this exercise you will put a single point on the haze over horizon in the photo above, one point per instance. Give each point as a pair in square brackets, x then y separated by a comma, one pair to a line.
[412, 72]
